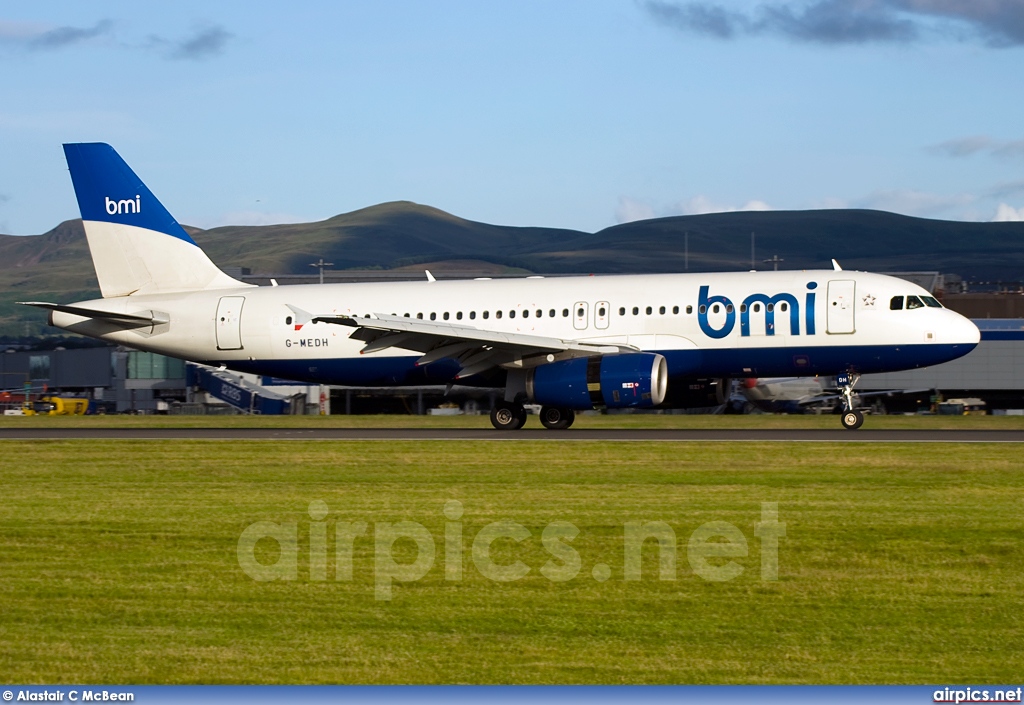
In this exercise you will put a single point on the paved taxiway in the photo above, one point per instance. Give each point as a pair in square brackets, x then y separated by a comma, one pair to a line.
[538, 434]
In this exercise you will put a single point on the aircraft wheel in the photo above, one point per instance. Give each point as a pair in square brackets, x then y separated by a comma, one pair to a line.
[508, 417]
[853, 420]
[556, 418]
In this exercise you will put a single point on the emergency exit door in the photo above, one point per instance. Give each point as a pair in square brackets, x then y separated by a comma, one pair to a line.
[229, 322]
[841, 295]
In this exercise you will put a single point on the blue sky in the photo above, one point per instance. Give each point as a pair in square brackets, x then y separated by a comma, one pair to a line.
[567, 113]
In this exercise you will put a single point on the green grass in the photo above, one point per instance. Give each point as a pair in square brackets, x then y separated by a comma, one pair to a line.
[901, 564]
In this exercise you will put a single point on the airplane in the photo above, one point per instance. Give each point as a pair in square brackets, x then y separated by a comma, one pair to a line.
[566, 343]
[798, 395]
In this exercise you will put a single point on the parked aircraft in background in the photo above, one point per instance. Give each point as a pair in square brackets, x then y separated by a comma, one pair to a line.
[566, 343]
[800, 395]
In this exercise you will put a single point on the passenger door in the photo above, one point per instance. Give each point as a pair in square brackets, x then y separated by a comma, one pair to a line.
[229, 322]
[841, 299]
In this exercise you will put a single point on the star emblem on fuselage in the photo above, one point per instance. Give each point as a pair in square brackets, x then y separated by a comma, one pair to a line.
[869, 301]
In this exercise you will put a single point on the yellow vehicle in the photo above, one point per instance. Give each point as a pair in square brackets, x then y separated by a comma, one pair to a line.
[56, 406]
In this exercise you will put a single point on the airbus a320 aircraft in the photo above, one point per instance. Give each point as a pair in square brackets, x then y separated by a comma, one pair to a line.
[566, 343]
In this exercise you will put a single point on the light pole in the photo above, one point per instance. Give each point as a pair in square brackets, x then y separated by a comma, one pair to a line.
[320, 265]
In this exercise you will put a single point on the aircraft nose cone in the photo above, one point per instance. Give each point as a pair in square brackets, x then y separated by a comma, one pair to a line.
[966, 332]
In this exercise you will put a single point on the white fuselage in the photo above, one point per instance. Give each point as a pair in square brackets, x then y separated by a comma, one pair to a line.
[706, 325]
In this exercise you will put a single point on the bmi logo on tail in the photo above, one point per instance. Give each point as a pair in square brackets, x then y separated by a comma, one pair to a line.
[123, 206]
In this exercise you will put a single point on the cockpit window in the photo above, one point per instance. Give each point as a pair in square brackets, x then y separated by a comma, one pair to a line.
[896, 303]
[931, 302]
[914, 302]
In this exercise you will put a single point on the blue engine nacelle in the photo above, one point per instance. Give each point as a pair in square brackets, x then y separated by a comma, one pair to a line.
[613, 381]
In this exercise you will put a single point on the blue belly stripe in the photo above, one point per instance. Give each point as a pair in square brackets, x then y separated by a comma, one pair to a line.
[682, 364]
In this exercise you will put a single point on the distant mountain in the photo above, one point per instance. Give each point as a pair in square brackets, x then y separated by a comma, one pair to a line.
[56, 265]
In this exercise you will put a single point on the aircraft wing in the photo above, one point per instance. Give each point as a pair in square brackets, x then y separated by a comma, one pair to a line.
[475, 349]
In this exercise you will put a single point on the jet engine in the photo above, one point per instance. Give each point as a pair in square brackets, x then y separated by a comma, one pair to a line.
[638, 380]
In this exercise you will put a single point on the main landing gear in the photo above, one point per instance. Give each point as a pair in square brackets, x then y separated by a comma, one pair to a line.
[852, 418]
[510, 416]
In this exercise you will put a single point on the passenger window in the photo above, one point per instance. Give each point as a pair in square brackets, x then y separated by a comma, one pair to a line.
[757, 308]
[703, 309]
[487, 314]
[458, 316]
[689, 310]
[636, 311]
[419, 316]
[743, 308]
[675, 309]
[565, 313]
[914, 302]
[445, 315]
[714, 309]
[661, 310]
[433, 316]
[648, 310]
[580, 312]
[288, 321]
[622, 310]
[472, 315]
[407, 315]
[728, 309]
[497, 314]
[783, 306]
[526, 313]
[931, 302]
[601, 312]
[551, 313]
[896, 303]
[541, 313]
[769, 308]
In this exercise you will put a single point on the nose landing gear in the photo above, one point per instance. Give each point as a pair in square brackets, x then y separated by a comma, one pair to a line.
[852, 418]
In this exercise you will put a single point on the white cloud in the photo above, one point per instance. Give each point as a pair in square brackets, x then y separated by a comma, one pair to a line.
[967, 146]
[1007, 213]
[630, 209]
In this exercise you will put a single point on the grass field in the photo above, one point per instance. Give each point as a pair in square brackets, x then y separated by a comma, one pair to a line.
[900, 564]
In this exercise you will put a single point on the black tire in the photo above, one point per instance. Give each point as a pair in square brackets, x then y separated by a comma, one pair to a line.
[508, 417]
[522, 414]
[852, 420]
[556, 418]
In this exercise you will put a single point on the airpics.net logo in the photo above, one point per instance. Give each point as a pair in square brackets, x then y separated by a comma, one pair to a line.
[123, 206]
[711, 549]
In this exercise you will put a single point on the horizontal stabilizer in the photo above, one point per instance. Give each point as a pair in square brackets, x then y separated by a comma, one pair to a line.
[144, 318]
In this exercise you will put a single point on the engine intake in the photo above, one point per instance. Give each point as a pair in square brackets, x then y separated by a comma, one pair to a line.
[614, 381]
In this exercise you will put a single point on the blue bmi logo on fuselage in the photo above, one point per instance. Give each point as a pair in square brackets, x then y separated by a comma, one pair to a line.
[755, 303]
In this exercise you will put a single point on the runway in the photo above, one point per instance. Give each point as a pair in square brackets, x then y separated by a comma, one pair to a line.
[838, 435]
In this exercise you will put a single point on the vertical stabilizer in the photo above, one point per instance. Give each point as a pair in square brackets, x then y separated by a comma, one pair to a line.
[137, 246]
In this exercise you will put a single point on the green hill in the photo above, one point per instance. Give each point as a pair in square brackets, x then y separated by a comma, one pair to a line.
[56, 266]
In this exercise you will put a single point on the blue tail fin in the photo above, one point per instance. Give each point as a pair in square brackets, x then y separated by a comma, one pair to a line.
[137, 246]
